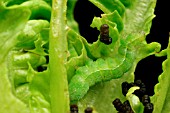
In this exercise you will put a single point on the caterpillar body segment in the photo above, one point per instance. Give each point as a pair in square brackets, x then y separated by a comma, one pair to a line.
[105, 69]
[98, 71]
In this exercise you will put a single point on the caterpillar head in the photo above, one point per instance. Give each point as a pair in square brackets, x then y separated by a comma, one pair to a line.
[77, 90]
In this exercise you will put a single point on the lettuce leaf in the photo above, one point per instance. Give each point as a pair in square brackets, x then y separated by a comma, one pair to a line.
[46, 64]
[90, 85]
[162, 95]
[13, 19]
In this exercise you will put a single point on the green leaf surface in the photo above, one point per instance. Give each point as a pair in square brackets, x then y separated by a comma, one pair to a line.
[39, 9]
[11, 104]
[101, 96]
[32, 32]
[134, 101]
[77, 54]
[125, 48]
[162, 93]
[46, 64]
[70, 15]
[8, 32]
[40, 89]
[12, 20]
[128, 32]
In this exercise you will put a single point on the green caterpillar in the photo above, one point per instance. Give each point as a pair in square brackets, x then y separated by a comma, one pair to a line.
[101, 70]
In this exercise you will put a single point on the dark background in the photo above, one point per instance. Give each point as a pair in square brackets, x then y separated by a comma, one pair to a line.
[147, 69]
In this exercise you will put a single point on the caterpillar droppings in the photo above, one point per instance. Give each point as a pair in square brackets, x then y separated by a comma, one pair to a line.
[104, 34]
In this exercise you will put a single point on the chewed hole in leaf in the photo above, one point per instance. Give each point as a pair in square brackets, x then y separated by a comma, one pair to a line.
[148, 71]
[159, 31]
[158, 35]
[47, 59]
[84, 13]
[41, 68]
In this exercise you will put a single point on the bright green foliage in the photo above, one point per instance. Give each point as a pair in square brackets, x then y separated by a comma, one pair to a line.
[46, 64]
[115, 60]
[134, 101]
[12, 20]
[162, 94]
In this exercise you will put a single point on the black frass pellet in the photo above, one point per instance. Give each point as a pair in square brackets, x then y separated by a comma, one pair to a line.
[88, 110]
[118, 105]
[148, 108]
[73, 108]
[145, 99]
[104, 34]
